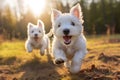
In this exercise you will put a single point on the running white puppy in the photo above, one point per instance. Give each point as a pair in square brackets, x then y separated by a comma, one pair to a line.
[69, 43]
[37, 39]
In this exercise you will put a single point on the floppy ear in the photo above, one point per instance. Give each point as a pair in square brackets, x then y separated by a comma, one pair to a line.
[76, 11]
[30, 25]
[40, 23]
[55, 14]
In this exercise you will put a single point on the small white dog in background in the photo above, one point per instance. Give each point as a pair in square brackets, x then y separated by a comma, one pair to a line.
[69, 43]
[37, 39]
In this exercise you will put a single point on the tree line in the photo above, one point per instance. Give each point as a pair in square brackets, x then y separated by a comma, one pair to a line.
[99, 16]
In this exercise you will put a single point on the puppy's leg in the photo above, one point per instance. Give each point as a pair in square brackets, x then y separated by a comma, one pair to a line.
[77, 61]
[28, 47]
[67, 64]
[43, 48]
[42, 51]
[59, 55]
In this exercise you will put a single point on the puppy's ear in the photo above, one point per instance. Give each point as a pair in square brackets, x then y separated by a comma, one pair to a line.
[55, 14]
[30, 25]
[40, 23]
[76, 11]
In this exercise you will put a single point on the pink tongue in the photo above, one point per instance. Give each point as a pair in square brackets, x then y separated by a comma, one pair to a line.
[67, 38]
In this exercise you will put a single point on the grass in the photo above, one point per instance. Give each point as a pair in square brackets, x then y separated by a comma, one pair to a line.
[101, 63]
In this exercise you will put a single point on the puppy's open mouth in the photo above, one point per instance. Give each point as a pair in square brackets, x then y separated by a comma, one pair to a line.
[67, 39]
[36, 38]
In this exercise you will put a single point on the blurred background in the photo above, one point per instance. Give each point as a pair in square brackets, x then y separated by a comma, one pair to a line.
[100, 16]
[101, 28]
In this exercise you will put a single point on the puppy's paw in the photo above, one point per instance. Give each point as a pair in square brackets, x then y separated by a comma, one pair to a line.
[41, 52]
[59, 61]
[67, 65]
[29, 50]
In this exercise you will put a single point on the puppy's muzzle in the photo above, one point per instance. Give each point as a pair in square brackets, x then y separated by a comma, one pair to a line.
[36, 35]
[66, 31]
[67, 37]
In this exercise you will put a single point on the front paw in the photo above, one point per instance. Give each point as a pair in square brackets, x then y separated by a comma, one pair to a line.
[67, 65]
[29, 50]
[42, 52]
[59, 61]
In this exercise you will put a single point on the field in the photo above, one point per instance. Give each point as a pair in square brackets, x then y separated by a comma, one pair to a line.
[101, 63]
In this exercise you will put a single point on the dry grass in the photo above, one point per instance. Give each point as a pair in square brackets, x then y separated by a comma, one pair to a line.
[101, 63]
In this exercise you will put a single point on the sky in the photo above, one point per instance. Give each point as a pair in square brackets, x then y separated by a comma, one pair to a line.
[21, 6]
[37, 6]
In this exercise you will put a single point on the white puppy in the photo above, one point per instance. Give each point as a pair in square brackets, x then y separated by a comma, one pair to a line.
[37, 38]
[69, 43]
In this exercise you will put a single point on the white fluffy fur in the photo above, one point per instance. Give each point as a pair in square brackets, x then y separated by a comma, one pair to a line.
[73, 53]
[40, 42]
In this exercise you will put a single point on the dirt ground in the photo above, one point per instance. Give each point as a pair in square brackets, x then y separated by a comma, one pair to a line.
[101, 63]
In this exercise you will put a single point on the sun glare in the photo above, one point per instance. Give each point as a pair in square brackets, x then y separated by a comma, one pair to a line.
[37, 6]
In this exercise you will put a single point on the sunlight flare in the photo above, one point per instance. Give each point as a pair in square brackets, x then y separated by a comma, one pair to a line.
[37, 6]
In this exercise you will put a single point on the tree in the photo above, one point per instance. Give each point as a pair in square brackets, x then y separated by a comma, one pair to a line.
[8, 23]
[21, 30]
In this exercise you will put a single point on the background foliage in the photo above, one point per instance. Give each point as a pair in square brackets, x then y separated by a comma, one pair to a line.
[98, 15]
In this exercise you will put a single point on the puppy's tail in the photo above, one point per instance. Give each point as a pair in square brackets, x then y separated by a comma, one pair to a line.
[50, 34]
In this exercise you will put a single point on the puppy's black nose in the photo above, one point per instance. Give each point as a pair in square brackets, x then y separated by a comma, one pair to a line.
[36, 35]
[66, 31]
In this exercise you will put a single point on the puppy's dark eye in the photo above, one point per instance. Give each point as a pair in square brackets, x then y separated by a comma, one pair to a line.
[59, 25]
[39, 31]
[72, 23]
[32, 31]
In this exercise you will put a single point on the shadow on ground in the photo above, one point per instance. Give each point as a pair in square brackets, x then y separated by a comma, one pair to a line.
[109, 59]
[7, 61]
[35, 69]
